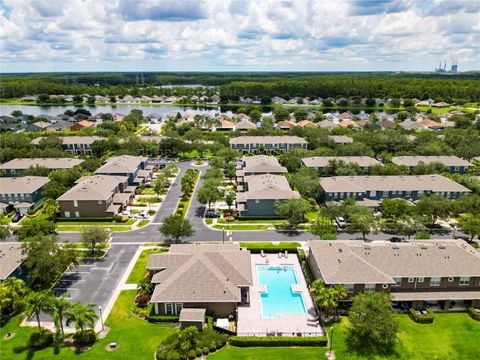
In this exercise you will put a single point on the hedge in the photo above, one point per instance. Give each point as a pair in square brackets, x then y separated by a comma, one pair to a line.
[163, 318]
[246, 218]
[474, 314]
[277, 341]
[421, 319]
[85, 219]
[306, 266]
[270, 248]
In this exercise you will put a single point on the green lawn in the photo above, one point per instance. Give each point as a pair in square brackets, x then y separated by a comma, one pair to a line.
[239, 353]
[137, 339]
[241, 227]
[139, 270]
[80, 228]
[142, 223]
[451, 336]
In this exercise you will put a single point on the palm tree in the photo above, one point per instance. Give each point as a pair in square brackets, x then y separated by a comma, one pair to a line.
[328, 297]
[60, 306]
[37, 302]
[340, 294]
[81, 315]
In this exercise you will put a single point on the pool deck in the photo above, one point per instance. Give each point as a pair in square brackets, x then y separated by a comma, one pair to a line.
[250, 321]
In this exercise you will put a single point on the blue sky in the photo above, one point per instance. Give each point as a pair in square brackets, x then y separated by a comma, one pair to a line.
[237, 35]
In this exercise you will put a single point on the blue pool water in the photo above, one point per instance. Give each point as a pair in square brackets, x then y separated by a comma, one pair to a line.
[279, 298]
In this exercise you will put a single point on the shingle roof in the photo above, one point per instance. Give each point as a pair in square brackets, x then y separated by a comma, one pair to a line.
[22, 185]
[268, 186]
[245, 124]
[262, 164]
[10, 258]
[72, 140]
[341, 139]
[121, 164]
[268, 140]
[351, 261]
[97, 187]
[322, 161]
[200, 273]
[192, 315]
[435, 183]
[50, 163]
[415, 160]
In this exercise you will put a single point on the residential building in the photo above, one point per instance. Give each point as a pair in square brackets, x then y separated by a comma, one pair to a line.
[455, 164]
[409, 187]
[341, 139]
[11, 259]
[244, 125]
[216, 278]
[98, 195]
[285, 125]
[133, 167]
[261, 193]
[82, 125]
[320, 163]
[257, 144]
[437, 273]
[21, 193]
[258, 165]
[17, 166]
[75, 144]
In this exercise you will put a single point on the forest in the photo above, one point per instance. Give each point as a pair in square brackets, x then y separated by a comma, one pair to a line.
[374, 85]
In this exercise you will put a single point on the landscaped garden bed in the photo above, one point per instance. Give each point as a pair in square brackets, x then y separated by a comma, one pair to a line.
[474, 313]
[424, 316]
[268, 247]
[274, 341]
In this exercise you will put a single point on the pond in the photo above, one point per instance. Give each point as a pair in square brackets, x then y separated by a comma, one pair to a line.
[164, 110]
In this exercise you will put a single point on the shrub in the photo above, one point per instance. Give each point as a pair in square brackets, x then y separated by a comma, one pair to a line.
[86, 337]
[173, 355]
[40, 339]
[191, 354]
[422, 235]
[205, 350]
[473, 313]
[421, 318]
[277, 341]
[162, 318]
[142, 300]
[120, 218]
[151, 212]
[267, 247]
[83, 219]
[198, 352]
[246, 218]
[212, 346]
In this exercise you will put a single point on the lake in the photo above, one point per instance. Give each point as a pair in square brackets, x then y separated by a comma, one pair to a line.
[52, 110]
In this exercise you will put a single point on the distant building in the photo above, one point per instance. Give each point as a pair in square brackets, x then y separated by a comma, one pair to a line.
[410, 187]
[133, 167]
[75, 144]
[341, 139]
[11, 259]
[455, 164]
[320, 163]
[256, 144]
[258, 165]
[16, 167]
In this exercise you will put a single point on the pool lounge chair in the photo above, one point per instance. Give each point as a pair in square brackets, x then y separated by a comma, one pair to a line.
[280, 255]
[286, 254]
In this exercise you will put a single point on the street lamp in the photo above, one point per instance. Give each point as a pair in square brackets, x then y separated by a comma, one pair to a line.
[454, 231]
[101, 318]
[331, 341]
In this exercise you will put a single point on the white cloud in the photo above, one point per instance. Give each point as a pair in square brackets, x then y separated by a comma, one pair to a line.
[246, 35]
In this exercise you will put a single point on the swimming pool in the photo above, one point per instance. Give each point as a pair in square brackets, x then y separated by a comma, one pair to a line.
[279, 298]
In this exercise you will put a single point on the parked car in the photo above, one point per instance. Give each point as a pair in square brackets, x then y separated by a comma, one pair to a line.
[125, 213]
[341, 223]
[212, 214]
[143, 216]
[16, 218]
[396, 239]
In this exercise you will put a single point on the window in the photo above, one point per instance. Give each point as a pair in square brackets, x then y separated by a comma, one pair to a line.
[385, 194]
[457, 168]
[178, 308]
[369, 287]
[411, 279]
[398, 281]
[67, 213]
[77, 214]
[168, 309]
[464, 280]
[420, 279]
[435, 281]
[75, 203]
[349, 287]
[408, 194]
